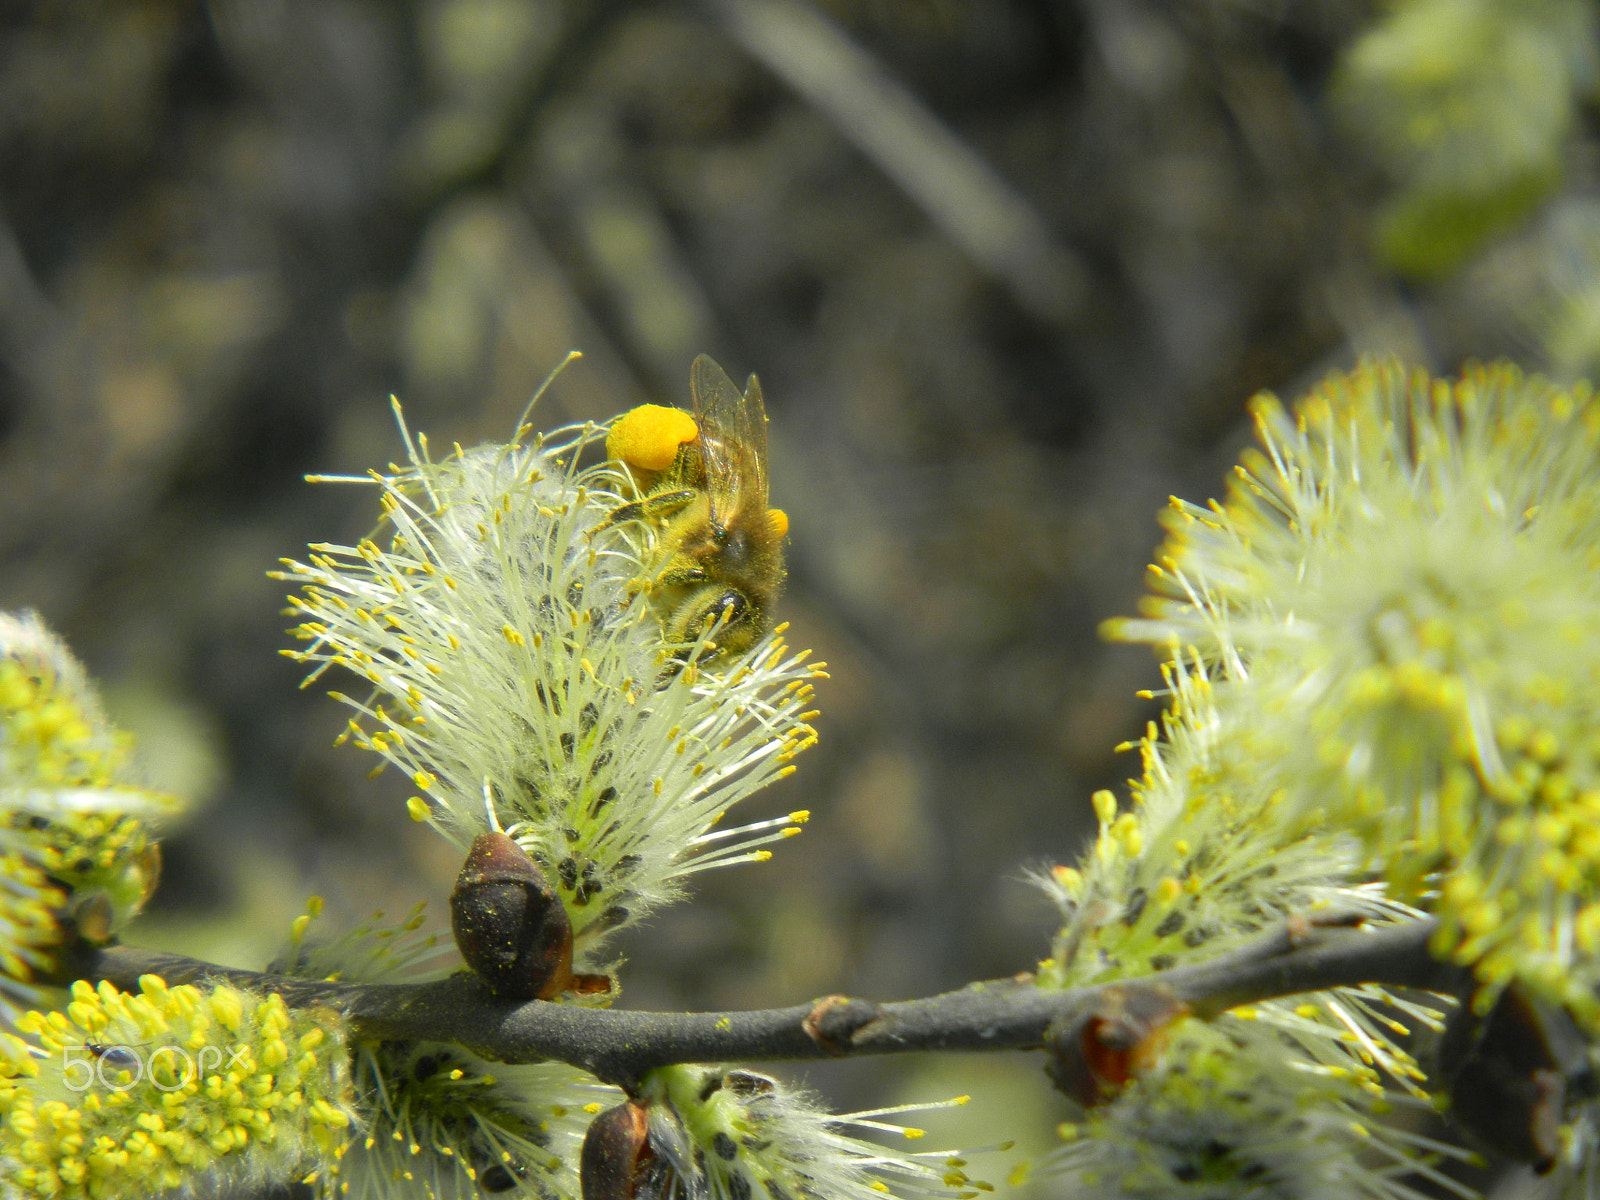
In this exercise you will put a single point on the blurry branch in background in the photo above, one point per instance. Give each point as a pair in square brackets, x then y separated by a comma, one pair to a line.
[24, 310]
[962, 194]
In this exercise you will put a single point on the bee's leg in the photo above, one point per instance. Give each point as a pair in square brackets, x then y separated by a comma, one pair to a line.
[661, 504]
[685, 576]
[669, 578]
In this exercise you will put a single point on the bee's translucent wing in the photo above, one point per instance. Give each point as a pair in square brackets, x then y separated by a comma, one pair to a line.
[733, 438]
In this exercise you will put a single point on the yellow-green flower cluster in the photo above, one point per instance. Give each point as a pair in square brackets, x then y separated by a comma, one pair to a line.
[437, 1122]
[76, 854]
[444, 1124]
[1564, 315]
[58, 752]
[1226, 1113]
[1403, 585]
[520, 676]
[30, 928]
[733, 1134]
[136, 1094]
[110, 862]
[1469, 104]
[1198, 864]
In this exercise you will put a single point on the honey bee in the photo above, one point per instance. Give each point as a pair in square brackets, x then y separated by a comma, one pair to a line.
[721, 547]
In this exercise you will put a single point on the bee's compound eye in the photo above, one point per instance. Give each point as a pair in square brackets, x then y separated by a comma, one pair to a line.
[726, 618]
[729, 608]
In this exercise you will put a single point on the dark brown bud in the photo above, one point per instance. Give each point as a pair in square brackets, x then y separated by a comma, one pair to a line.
[509, 923]
[1095, 1053]
[1511, 1072]
[833, 1021]
[616, 1157]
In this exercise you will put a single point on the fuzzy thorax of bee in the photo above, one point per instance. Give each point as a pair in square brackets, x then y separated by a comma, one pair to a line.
[717, 565]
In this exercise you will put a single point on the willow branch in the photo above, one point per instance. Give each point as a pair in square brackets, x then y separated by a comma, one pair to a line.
[619, 1046]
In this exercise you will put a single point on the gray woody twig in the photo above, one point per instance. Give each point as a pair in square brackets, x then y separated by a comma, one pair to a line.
[619, 1046]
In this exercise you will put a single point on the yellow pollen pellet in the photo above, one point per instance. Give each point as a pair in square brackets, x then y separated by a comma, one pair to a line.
[648, 436]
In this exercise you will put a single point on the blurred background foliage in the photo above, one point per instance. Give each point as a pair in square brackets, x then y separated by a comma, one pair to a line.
[1008, 271]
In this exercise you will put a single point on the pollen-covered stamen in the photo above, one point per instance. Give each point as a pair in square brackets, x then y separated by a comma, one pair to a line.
[793, 819]
[78, 852]
[757, 833]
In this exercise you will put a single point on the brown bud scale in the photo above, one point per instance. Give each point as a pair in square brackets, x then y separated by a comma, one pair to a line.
[509, 923]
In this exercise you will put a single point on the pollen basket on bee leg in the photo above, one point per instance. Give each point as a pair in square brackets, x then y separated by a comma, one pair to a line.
[648, 437]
